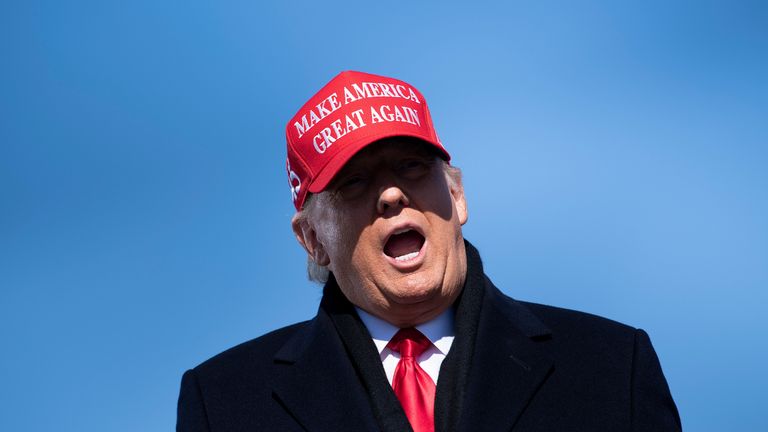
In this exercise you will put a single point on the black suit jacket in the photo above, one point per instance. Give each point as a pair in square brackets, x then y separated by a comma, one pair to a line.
[527, 367]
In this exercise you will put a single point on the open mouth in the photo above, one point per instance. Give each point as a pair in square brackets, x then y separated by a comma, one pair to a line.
[405, 245]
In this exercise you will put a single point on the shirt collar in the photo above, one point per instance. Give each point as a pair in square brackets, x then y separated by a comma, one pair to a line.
[438, 330]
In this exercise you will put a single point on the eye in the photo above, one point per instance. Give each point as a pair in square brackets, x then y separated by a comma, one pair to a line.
[413, 167]
[351, 181]
[351, 186]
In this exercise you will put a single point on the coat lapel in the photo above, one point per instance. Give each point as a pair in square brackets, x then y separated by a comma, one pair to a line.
[316, 383]
[510, 363]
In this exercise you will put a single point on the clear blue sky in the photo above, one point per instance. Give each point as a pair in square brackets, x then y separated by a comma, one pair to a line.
[615, 157]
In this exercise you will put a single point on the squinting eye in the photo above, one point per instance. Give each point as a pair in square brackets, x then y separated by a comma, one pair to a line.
[352, 181]
[413, 164]
[413, 167]
[351, 187]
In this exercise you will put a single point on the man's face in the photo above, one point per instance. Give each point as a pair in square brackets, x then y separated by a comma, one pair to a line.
[389, 228]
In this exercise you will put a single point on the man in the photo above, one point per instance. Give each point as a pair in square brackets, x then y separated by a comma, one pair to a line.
[410, 334]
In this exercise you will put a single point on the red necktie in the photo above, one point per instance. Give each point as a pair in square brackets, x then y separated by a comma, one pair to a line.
[411, 384]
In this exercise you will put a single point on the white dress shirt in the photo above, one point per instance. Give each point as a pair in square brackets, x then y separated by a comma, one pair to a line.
[439, 331]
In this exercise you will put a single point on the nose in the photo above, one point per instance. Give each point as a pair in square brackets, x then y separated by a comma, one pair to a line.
[391, 196]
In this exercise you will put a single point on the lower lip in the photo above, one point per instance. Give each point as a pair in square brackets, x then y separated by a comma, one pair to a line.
[411, 263]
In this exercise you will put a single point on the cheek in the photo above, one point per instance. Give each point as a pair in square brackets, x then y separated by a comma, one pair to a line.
[339, 237]
[439, 200]
[327, 235]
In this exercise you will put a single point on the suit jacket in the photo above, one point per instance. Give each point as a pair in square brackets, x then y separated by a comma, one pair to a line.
[516, 366]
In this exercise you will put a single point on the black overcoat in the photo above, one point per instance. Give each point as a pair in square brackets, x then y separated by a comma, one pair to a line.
[530, 367]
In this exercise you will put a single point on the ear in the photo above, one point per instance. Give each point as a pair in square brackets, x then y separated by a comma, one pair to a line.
[307, 238]
[460, 201]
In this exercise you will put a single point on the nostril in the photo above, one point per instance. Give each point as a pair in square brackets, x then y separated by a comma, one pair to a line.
[391, 196]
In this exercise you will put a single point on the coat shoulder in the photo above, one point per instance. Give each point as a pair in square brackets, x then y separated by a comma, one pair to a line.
[563, 325]
[589, 335]
[252, 354]
[231, 390]
[562, 319]
[600, 359]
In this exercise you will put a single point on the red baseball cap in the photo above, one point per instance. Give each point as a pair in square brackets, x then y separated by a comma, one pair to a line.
[353, 110]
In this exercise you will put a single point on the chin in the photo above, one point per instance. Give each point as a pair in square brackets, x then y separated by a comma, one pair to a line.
[415, 290]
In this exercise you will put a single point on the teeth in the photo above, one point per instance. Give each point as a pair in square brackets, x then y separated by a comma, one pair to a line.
[400, 231]
[408, 256]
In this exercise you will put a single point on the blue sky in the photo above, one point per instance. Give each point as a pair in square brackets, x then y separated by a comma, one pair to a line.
[614, 156]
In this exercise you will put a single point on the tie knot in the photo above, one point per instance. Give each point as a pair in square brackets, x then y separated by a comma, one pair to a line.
[409, 342]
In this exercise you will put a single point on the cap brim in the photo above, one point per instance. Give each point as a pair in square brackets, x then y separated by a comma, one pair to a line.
[329, 171]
